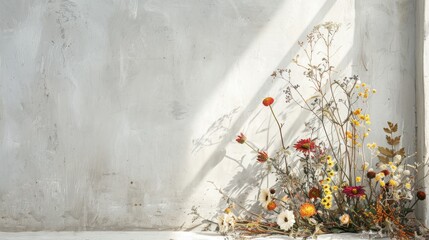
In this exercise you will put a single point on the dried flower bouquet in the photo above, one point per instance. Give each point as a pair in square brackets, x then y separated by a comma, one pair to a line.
[342, 184]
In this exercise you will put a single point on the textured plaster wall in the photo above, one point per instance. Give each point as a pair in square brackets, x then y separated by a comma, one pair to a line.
[116, 114]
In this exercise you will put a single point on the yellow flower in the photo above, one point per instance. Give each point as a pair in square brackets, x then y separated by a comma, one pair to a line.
[367, 118]
[335, 188]
[407, 185]
[331, 173]
[331, 164]
[324, 201]
[382, 183]
[372, 145]
[328, 205]
[365, 95]
[328, 197]
[325, 186]
[327, 192]
[358, 179]
[363, 84]
[349, 135]
[374, 91]
[328, 180]
[393, 183]
[329, 158]
[365, 134]
[379, 176]
[357, 111]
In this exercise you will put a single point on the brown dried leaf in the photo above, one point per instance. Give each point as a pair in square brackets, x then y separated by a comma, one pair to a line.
[386, 152]
[393, 126]
[387, 130]
[400, 152]
[393, 141]
[383, 159]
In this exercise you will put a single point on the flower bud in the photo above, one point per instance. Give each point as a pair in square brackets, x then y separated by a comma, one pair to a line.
[421, 195]
[262, 157]
[386, 172]
[268, 101]
[271, 206]
[371, 174]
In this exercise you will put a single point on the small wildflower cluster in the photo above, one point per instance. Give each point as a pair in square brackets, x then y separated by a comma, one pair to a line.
[328, 182]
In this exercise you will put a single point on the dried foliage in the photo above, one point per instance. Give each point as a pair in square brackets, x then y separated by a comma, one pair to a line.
[342, 183]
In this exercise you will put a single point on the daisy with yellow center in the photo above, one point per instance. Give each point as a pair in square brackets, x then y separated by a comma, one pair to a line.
[328, 197]
[328, 205]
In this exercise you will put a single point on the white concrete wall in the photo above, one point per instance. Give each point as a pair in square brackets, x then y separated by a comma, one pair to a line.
[115, 114]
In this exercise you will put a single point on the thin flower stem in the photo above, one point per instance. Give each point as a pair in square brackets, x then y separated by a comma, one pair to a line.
[280, 126]
[281, 137]
[254, 149]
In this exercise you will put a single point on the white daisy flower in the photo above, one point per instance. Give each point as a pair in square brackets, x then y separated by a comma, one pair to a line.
[285, 220]
[265, 197]
[226, 222]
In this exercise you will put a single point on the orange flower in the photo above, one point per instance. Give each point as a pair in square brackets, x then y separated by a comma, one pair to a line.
[268, 101]
[271, 206]
[307, 210]
[262, 156]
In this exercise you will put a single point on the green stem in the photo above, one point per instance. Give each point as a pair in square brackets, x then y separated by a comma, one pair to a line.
[281, 137]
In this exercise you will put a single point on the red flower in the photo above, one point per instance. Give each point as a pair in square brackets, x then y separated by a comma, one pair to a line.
[305, 145]
[314, 193]
[241, 138]
[354, 191]
[268, 101]
[262, 157]
[386, 172]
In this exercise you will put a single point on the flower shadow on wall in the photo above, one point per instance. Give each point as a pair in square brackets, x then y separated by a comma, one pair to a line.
[326, 192]
[218, 153]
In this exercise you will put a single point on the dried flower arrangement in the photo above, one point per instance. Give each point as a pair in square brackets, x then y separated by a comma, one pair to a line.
[342, 184]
